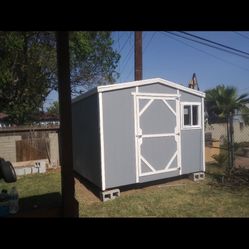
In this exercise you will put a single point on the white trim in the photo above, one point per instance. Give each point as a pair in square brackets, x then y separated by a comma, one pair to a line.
[147, 163]
[167, 104]
[85, 95]
[203, 135]
[102, 149]
[148, 82]
[158, 172]
[136, 140]
[171, 160]
[145, 107]
[159, 135]
[179, 144]
[156, 98]
[136, 84]
[191, 127]
[188, 127]
[139, 136]
[139, 142]
[164, 95]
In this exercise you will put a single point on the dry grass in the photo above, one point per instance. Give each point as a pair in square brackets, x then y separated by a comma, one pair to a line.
[181, 198]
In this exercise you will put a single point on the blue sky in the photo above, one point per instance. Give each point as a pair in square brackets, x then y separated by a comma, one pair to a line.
[172, 58]
[175, 59]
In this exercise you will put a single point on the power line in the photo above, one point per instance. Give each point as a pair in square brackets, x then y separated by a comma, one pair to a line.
[216, 43]
[147, 45]
[124, 44]
[209, 45]
[128, 56]
[212, 55]
[243, 35]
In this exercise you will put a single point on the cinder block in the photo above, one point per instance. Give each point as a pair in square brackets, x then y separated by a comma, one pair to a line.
[110, 194]
[115, 193]
[197, 176]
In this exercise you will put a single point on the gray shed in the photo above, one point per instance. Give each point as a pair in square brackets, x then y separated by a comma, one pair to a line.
[138, 132]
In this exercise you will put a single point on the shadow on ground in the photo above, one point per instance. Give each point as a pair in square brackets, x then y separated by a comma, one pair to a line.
[92, 193]
[88, 185]
[47, 205]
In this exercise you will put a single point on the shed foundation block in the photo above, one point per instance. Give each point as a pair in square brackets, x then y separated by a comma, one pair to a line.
[197, 176]
[110, 194]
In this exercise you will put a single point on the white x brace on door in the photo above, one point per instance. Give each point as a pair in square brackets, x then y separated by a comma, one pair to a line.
[157, 133]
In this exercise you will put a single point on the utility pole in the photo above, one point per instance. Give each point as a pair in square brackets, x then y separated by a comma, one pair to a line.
[70, 204]
[138, 55]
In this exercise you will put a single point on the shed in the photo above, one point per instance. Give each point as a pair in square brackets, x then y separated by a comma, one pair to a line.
[137, 132]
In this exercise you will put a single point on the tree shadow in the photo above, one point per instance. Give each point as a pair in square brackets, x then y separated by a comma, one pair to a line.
[89, 185]
[46, 205]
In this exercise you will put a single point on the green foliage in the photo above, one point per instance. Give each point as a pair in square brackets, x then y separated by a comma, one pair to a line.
[93, 61]
[28, 68]
[27, 73]
[221, 159]
[223, 100]
[54, 109]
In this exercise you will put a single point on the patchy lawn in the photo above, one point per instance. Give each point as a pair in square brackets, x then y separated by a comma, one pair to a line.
[181, 198]
[37, 191]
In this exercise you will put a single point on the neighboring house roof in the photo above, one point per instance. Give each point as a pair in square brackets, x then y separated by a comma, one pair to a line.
[124, 85]
[48, 117]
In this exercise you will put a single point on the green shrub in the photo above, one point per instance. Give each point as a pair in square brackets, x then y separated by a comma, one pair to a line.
[220, 159]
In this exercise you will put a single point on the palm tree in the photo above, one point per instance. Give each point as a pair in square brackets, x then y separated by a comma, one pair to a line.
[221, 104]
[222, 101]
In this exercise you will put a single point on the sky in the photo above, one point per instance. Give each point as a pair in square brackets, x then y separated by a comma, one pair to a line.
[175, 59]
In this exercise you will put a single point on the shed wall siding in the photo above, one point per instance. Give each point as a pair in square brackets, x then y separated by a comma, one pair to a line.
[157, 88]
[191, 151]
[86, 139]
[187, 97]
[191, 142]
[158, 176]
[119, 138]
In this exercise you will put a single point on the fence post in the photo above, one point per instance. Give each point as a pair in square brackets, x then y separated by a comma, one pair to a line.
[228, 145]
[231, 139]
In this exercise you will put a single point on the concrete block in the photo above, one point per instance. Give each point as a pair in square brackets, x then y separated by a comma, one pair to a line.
[197, 176]
[110, 194]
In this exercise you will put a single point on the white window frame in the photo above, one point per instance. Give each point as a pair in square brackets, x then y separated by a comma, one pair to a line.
[188, 127]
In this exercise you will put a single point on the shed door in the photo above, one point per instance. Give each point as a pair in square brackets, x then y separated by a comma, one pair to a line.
[157, 134]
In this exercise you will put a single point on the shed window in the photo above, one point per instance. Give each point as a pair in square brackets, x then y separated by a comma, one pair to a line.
[187, 120]
[191, 115]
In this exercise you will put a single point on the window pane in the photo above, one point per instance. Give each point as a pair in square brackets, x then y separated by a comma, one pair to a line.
[187, 115]
[195, 114]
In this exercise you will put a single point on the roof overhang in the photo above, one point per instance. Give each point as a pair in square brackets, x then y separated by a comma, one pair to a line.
[118, 86]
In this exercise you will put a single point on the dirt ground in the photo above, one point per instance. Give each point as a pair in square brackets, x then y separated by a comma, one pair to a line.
[242, 162]
[88, 193]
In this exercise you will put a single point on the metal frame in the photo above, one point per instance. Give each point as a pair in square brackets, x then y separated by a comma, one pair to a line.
[138, 133]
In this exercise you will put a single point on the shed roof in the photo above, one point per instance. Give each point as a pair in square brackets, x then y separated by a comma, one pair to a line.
[124, 85]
